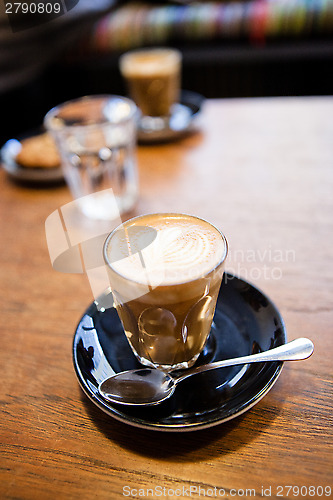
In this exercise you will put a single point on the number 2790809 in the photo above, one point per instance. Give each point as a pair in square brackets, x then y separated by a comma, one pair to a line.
[303, 491]
[33, 8]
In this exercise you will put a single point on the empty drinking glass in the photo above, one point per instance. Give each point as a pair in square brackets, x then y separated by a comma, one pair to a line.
[96, 138]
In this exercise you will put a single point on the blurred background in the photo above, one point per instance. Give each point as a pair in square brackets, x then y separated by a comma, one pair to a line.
[230, 49]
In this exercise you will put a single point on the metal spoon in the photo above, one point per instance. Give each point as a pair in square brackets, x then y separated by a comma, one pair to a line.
[149, 386]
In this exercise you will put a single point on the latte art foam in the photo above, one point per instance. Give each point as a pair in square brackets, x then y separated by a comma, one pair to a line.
[182, 249]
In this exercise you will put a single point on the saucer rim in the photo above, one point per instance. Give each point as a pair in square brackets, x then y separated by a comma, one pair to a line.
[176, 428]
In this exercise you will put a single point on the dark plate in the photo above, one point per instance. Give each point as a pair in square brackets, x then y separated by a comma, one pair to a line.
[23, 174]
[245, 322]
[181, 122]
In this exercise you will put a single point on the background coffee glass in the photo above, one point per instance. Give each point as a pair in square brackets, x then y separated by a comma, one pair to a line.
[165, 272]
[96, 139]
[153, 79]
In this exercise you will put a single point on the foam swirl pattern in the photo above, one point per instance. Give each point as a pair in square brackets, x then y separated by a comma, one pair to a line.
[184, 248]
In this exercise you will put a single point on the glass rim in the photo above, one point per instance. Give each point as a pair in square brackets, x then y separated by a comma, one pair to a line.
[51, 114]
[219, 263]
[126, 57]
[144, 50]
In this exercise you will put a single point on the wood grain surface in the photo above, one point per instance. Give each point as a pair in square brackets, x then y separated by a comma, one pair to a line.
[262, 171]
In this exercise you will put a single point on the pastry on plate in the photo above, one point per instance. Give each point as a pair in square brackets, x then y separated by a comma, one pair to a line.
[38, 151]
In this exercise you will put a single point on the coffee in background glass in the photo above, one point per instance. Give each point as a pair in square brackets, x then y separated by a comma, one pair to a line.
[153, 78]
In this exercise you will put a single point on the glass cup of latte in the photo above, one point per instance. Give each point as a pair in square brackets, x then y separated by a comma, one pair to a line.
[165, 272]
[153, 79]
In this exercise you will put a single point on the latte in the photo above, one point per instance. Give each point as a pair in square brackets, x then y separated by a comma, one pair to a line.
[153, 79]
[165, 272]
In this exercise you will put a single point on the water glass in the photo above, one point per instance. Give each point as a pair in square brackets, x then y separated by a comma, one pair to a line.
[96, 138]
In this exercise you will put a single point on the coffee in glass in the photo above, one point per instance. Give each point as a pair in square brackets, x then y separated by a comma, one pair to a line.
[165, 272]
[153, 79]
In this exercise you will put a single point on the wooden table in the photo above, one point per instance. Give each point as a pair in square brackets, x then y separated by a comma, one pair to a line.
[261, 170]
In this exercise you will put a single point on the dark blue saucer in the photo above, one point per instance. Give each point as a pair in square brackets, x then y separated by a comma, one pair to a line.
[245, 322]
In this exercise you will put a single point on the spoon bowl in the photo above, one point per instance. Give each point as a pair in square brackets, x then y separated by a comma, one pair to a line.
[149, 386]
[144, 386]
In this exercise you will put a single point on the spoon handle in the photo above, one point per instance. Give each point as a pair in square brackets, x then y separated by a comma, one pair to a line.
[300, 348]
